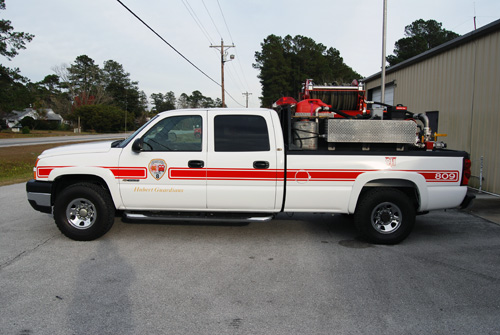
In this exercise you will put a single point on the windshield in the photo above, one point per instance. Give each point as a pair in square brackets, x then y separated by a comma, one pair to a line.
[124, 143]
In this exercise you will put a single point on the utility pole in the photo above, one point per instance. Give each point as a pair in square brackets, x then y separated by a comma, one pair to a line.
[223, 59]
[126, 110]
[384, 37]
[247, 94]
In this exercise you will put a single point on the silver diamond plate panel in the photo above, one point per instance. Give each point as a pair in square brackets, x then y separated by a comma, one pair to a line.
[371, 131]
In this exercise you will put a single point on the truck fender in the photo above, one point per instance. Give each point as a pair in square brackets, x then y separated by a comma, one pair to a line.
[93, 171]
[389, 179]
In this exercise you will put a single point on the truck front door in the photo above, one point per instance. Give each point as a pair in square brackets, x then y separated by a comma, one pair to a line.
[168, 173]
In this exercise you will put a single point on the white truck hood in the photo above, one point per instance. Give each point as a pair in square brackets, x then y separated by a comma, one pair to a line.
[83, 148]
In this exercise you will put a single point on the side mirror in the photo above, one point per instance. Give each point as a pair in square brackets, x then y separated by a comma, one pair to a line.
[137, 145]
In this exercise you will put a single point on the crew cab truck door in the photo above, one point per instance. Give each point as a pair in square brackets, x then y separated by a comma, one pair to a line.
[242, 166]
[169, 169]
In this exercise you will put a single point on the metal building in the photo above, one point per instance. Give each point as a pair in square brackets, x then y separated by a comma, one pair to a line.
[461, 80]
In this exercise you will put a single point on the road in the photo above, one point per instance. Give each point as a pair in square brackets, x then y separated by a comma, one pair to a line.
[304, 274]
[11, 142]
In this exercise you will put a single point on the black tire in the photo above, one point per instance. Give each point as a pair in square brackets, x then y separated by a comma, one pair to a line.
[84, 212]
[384, 216]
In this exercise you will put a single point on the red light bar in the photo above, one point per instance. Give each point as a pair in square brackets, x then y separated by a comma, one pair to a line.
[286, 101]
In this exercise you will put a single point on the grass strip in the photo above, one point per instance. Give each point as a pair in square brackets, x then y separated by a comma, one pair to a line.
[17, 162]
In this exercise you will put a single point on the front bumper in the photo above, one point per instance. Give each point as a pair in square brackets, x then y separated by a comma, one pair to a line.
[40, 195]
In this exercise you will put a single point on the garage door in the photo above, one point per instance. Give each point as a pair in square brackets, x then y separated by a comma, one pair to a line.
[389, 94]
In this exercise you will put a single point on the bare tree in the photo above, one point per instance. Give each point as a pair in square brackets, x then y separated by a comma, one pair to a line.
[83, 82]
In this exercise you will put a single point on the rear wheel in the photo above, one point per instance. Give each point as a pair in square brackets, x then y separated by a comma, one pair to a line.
[84, 212]
[385, 216]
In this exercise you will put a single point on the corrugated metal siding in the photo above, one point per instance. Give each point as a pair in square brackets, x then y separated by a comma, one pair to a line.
[463, 84]
[486, 116]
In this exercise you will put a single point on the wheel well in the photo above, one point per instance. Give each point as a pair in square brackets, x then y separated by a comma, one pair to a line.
[67, 180]
[406, 186]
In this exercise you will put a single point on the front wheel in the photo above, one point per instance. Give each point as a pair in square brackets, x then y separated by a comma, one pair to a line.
[84, 212]
[385, 216]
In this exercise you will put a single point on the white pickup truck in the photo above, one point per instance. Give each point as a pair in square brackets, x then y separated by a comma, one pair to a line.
[248, 165]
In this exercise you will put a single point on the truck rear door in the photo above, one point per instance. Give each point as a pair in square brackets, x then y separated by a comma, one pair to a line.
[242, 162]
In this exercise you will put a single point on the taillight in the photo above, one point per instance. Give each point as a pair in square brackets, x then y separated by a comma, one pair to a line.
[34, 169]
[466, 173]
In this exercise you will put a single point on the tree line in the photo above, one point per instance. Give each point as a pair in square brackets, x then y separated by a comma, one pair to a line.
[286, 62]
[168, 101]
[99, 98]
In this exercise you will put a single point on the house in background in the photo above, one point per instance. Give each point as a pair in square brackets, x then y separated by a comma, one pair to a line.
[460, 82]
[13, 120]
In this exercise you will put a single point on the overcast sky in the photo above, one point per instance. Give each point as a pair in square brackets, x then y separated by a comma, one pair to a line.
[104, 29]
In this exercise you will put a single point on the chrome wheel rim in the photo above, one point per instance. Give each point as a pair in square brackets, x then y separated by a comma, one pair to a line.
[81, 213]
[386, 218]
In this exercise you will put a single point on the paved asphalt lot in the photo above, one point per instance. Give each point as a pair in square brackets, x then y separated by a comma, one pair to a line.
[306, 274]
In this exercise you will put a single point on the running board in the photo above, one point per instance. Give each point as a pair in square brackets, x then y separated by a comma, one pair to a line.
[197, 217]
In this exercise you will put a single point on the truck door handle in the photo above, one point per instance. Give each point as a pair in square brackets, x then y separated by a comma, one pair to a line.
[261, 165]
[196, 164]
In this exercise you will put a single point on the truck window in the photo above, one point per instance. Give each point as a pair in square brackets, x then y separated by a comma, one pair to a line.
[241, 133]
[176, 133]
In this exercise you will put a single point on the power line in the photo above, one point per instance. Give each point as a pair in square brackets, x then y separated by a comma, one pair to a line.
[224, 18]
[232, 41]
[236, 77]
[178, 52]
[220, 35]
[233, 99]
[227, 27]
[197, 20]
[170, 45]
[241, 68]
